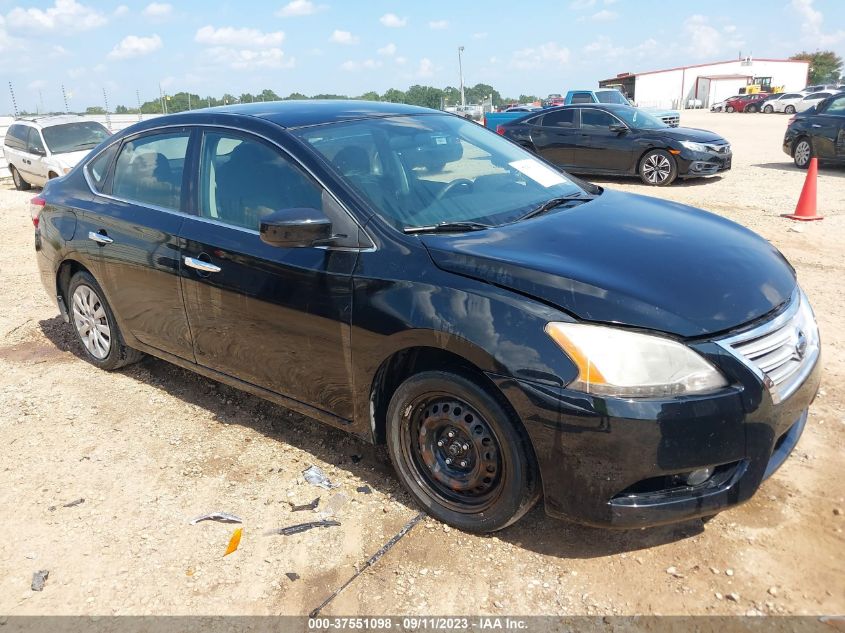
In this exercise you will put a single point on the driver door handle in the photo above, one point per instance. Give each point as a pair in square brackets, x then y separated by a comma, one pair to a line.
[198, 264]
[100, 238]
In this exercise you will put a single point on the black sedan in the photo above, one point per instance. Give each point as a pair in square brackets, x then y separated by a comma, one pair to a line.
[508, 332]
[619, 140]
[819, 132]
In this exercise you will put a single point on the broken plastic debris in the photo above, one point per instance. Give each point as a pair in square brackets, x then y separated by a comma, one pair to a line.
[334, 505]
[305, 506]
[292, 575]
[302, 527]
[38, 580]
[75, 502]
[366, 490]
[223, 517]
[314, 475]
[234, 541]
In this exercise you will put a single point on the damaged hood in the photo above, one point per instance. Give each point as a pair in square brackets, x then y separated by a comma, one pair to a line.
[630, 260]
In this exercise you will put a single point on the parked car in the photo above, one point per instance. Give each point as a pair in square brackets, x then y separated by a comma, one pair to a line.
[820, 88]
[811, 100]
[766, 105]
[42, 148]
[523, 108]
[719, 106]
[818, 132]
[612, 95]
[507, 331]
[745, 103]
[786, 103]
[620, 140]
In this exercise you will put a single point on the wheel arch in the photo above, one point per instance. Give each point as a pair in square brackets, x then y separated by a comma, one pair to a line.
[66, 270]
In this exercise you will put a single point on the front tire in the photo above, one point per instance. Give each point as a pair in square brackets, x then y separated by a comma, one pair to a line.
[802, 153]
[20, 183]
[729, 109]
[95, 326]
[790, 109]
[658, 168]
[460, 453]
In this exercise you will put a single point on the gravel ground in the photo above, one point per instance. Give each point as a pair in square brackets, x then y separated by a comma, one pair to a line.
[152, 446]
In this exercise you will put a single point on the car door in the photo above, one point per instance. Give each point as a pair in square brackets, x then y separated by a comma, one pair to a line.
[20, 155]
[274, 317]
[556, 136]
[607, 150]
[37, 157]
[133, 224]
[828, 129]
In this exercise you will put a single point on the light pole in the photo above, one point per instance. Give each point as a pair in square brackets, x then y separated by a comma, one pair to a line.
[461, 72]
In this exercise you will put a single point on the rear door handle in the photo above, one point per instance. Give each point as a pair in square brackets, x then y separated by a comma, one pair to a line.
[816, 125]
[198, 264]
[99, 238]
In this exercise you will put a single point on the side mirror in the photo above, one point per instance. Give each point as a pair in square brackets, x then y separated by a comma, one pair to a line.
[618, 128]
[296, 228]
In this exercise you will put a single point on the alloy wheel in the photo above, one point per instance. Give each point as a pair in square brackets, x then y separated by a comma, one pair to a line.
[453, 452]
[802, 153]
[91, 322]
[657, 169]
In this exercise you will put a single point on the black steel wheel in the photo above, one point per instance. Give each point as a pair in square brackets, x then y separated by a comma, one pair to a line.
[20, 183]
[460, 453]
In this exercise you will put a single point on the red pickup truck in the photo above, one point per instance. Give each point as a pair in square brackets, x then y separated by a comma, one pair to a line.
[745, 103]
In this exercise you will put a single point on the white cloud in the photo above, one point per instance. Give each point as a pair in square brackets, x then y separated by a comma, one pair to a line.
[135, 46]
[812, 21]
[393, 21]
[578, 5]
[367, 64]
[479, 36]
[426, 68]
[120, 10]
[343, 37]
[250, 59]
[59, 51]
[64, 14]
[604, 16]
[703, 40]
[38, 84]
[536, 57]
[297, 8]
[388, 50]
[401, 60]
[240, 38]
[438, 24]
[158, 10]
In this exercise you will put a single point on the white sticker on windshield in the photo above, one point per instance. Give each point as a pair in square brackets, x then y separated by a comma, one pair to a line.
[538, 172]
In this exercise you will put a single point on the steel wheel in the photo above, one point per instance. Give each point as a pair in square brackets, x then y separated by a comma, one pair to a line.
[20, 183]
[454, 452]
[91, 322]
[656, 169]
[803, 153]
[768, 109]
[790, 109]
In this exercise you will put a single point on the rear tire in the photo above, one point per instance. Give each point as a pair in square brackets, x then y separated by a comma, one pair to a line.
[20, 183]
[751, 108]
[729, 109]
[95, 326]
[790, 109]
[802, 153]
[460, 453]
[658, 168]
[768, 109]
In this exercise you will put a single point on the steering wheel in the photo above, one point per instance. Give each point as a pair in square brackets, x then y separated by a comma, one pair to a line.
[448, 189]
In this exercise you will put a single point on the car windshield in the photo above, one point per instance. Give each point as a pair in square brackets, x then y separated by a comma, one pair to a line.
[426, 170]
[74, 137]
[638, 119]
[611, 96]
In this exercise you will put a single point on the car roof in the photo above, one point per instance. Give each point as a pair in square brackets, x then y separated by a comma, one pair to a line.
[50, 119]
[600, 106]
[301, 113]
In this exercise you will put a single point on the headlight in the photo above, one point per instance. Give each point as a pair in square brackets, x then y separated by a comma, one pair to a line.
[66, 170]
[616, 362]
[694, 147]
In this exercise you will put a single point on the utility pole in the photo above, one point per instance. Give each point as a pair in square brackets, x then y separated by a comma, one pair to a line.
[189, 100]
[461, 71]
[14, 102]
[138, 99]
[64, 96]
[108, 116]
[41, 101]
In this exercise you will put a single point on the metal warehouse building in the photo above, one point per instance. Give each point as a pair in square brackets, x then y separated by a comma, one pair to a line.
[704, 84]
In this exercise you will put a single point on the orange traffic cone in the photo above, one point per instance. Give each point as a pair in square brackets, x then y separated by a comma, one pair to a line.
[805, 210]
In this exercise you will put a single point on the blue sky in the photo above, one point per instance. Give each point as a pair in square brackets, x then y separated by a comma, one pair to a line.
[334, 46]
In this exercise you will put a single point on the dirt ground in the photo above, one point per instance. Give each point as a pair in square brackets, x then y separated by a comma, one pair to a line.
[152, 446]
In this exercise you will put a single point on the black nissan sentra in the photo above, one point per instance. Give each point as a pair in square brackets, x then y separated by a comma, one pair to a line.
[508, 331]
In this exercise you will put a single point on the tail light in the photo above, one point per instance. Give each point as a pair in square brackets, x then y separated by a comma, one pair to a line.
[484, 120]
[791, 119]
[36, 205]
[500, 129]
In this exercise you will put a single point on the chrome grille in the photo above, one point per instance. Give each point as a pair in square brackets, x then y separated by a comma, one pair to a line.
[672, 120]
[782, 351]
[719, 149]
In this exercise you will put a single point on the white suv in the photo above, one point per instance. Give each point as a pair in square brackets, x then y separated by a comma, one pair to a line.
[47, 147]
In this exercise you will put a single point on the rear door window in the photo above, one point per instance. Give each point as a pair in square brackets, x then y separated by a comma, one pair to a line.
[16, 137]
[98, 169]
[596, 119]
[149, 169]
[560, 118]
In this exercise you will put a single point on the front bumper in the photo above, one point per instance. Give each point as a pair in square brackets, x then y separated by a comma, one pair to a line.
[697, 164]
[619, 463]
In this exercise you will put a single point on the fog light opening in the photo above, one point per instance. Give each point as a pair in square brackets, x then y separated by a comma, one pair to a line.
[699, 476]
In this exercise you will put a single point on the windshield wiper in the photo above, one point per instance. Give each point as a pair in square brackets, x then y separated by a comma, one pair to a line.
[548, 205]
[447, 227]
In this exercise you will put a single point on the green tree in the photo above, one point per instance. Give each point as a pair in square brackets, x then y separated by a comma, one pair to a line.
[269, 95]
[121, 109]
[295, 96]
[393, 96]
[426, 96]
[528, 98]
[370, 96]
[825, 66]
[94, 110]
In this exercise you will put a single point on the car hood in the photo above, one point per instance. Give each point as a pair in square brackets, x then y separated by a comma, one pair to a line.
[691, 134]
[630, 260]
[70, 159]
